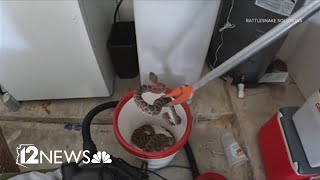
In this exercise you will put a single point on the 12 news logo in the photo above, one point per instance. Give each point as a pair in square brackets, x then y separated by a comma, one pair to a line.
[28, 154]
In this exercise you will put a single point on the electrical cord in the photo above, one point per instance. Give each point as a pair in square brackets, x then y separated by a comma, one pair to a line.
[157, 174]
[116, 12]
[144, 165]
[227, 25]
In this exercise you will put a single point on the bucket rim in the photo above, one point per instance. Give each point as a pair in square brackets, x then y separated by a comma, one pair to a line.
[150, 155]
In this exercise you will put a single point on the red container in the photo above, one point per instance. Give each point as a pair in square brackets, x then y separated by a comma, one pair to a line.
[127, 117]
[275, 152]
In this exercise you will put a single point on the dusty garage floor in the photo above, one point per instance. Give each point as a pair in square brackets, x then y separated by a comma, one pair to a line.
[216, 110]
[204, 141]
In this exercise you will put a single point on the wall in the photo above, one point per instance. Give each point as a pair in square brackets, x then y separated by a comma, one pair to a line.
[299, 50]
[302, 55]
[45, 51]
[173, 38]
[98, 17]
[126, 10]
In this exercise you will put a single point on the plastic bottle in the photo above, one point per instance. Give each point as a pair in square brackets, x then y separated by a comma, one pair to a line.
[235, 154]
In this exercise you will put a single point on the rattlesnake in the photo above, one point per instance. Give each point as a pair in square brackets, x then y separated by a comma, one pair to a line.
[145, 138]
[171, 116]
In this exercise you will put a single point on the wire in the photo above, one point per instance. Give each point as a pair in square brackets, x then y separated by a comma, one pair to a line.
[144, 166]
[227, 25]
[116, 12]
[157, 174]
[80, 161]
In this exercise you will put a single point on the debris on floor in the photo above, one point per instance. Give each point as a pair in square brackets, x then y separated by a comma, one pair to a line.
[76, 127]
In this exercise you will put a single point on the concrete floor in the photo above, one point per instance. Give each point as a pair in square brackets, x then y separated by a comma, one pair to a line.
[256, 109]
[215, 108]
[208, 150]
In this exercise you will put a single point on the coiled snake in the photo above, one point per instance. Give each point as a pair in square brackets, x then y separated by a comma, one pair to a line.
[146, 138]
[171, 116]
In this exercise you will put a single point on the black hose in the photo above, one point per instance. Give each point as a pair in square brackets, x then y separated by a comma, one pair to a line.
[192, 161]
[88, 143]
[116, 12]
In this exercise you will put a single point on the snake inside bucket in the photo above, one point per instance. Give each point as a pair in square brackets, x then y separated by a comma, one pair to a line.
[171, 117]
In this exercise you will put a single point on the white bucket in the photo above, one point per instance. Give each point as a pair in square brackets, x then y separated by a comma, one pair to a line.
[127, 118]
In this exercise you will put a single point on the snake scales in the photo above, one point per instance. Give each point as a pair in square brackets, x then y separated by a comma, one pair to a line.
[171, 117]
[146, 138]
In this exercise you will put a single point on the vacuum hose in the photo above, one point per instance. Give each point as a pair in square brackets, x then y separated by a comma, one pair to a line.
[88, 143]
[192, 161]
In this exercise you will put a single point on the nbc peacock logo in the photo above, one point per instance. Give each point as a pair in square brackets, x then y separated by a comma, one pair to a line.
[101, 157]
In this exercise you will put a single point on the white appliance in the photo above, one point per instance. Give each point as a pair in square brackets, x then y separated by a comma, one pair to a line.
[307, 122]
[173, 38]
[55, 49]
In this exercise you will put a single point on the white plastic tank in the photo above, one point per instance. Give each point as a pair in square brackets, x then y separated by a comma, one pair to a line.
[173, 38]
